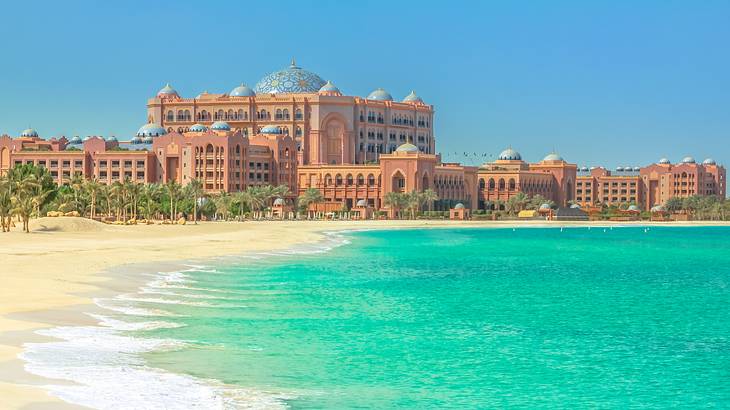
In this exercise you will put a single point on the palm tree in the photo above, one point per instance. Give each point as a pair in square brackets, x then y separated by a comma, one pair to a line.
[223, 204]
[396, 201]
[6, 204]
[310, 196]
[77, 184]
[242, 199]
[93, 188]
[195, 191]
[24, 201]
[428, 197]
[173, 191]
[151, 197]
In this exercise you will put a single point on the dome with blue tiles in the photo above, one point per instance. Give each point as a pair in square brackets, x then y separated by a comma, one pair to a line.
[688, 160]
[220, 126]
[510, 155]
[413, 98]
[270, 129]
[664, 161]
[407, 147]
[167, 91]
[76, 140]
[198, 128]
[147, 140]
[151, 130]
[553, 156]
[709, 161]
[30, 132]
[242, 91]
[292, 80]
[112, 139]
[135, 140]
[380, 95]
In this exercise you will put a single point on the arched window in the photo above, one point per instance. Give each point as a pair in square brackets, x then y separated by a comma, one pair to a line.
[481, 183]
[299, 131]
[229, 115]
[327, 180]
[170, 116]
[349, 180]
[286, 114]
[360, 180]
[338, 180]
[278, 114]
[298, 114]
[238, 149]
[501, 184]
[209, 149]
[371, 180]
[187, 115]
[240, 114]
[512, 184]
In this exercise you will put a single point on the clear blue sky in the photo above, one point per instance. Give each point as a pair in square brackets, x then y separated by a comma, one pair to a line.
[603, 82]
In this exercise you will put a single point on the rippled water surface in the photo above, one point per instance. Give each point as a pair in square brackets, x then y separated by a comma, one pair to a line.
[458, 318]
[471, 318]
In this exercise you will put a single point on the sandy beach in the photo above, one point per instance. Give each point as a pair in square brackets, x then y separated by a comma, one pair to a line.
[54, 269]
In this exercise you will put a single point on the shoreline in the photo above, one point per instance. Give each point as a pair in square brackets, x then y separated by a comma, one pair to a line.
[84, 263]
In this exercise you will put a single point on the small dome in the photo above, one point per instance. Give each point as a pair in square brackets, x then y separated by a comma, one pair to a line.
[147, 139]
[657, 208]
[328, 87]
[709, 161]
[30, 132]
[242, 91]
[111, 139]
[688, 160]
[167, 91]
[76, 140]
[292, 80]
[584, 169]
[362, 203]
[575, 206]
[634, 208]
[553, 156]
[407, 147]
[136, 140]
[459, 206]
[412, 97]
[592, 168]
[151, 130]
[545, 206]
[198, 128]
[619, 169]
[664, 161]
[270, 129]
[380, 95]
[279, 202]
[510, 155]
[637, 169]
[220, 126]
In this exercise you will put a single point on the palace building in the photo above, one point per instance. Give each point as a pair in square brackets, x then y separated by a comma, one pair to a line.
[296, 129]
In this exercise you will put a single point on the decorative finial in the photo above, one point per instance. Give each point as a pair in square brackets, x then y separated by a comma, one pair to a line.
[293, 62]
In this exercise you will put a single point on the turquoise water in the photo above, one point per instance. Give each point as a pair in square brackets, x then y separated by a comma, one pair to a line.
[469, 318]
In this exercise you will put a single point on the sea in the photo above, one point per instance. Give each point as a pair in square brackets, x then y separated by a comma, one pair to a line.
[472, 318]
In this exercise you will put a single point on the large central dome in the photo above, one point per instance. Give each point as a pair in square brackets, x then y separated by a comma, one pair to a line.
[293, 80]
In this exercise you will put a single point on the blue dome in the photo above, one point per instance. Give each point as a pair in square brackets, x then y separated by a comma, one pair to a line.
[167, 90]
[292, 80]
[459, 206]
[619, 169]
[112, 139]
[688, 160]
[147, 139]
[151, 130]
[380, 95]
[30, 132]
[76, 140]
[220, 126]
[510, 155]
[407, 147]
[242, 91]
[198, 128]
[553, 156]
[709, 161]
[136, 140]
[545, 206]
[584, 169]
[279, 202]
[664, 161]
[637, 169]
[270, 129]
[329, 87]
[412, 97]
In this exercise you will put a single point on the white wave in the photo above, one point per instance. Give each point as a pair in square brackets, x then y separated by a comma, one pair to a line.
[160, 291]
[133, 326]
[109, 373]
[124, 308]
